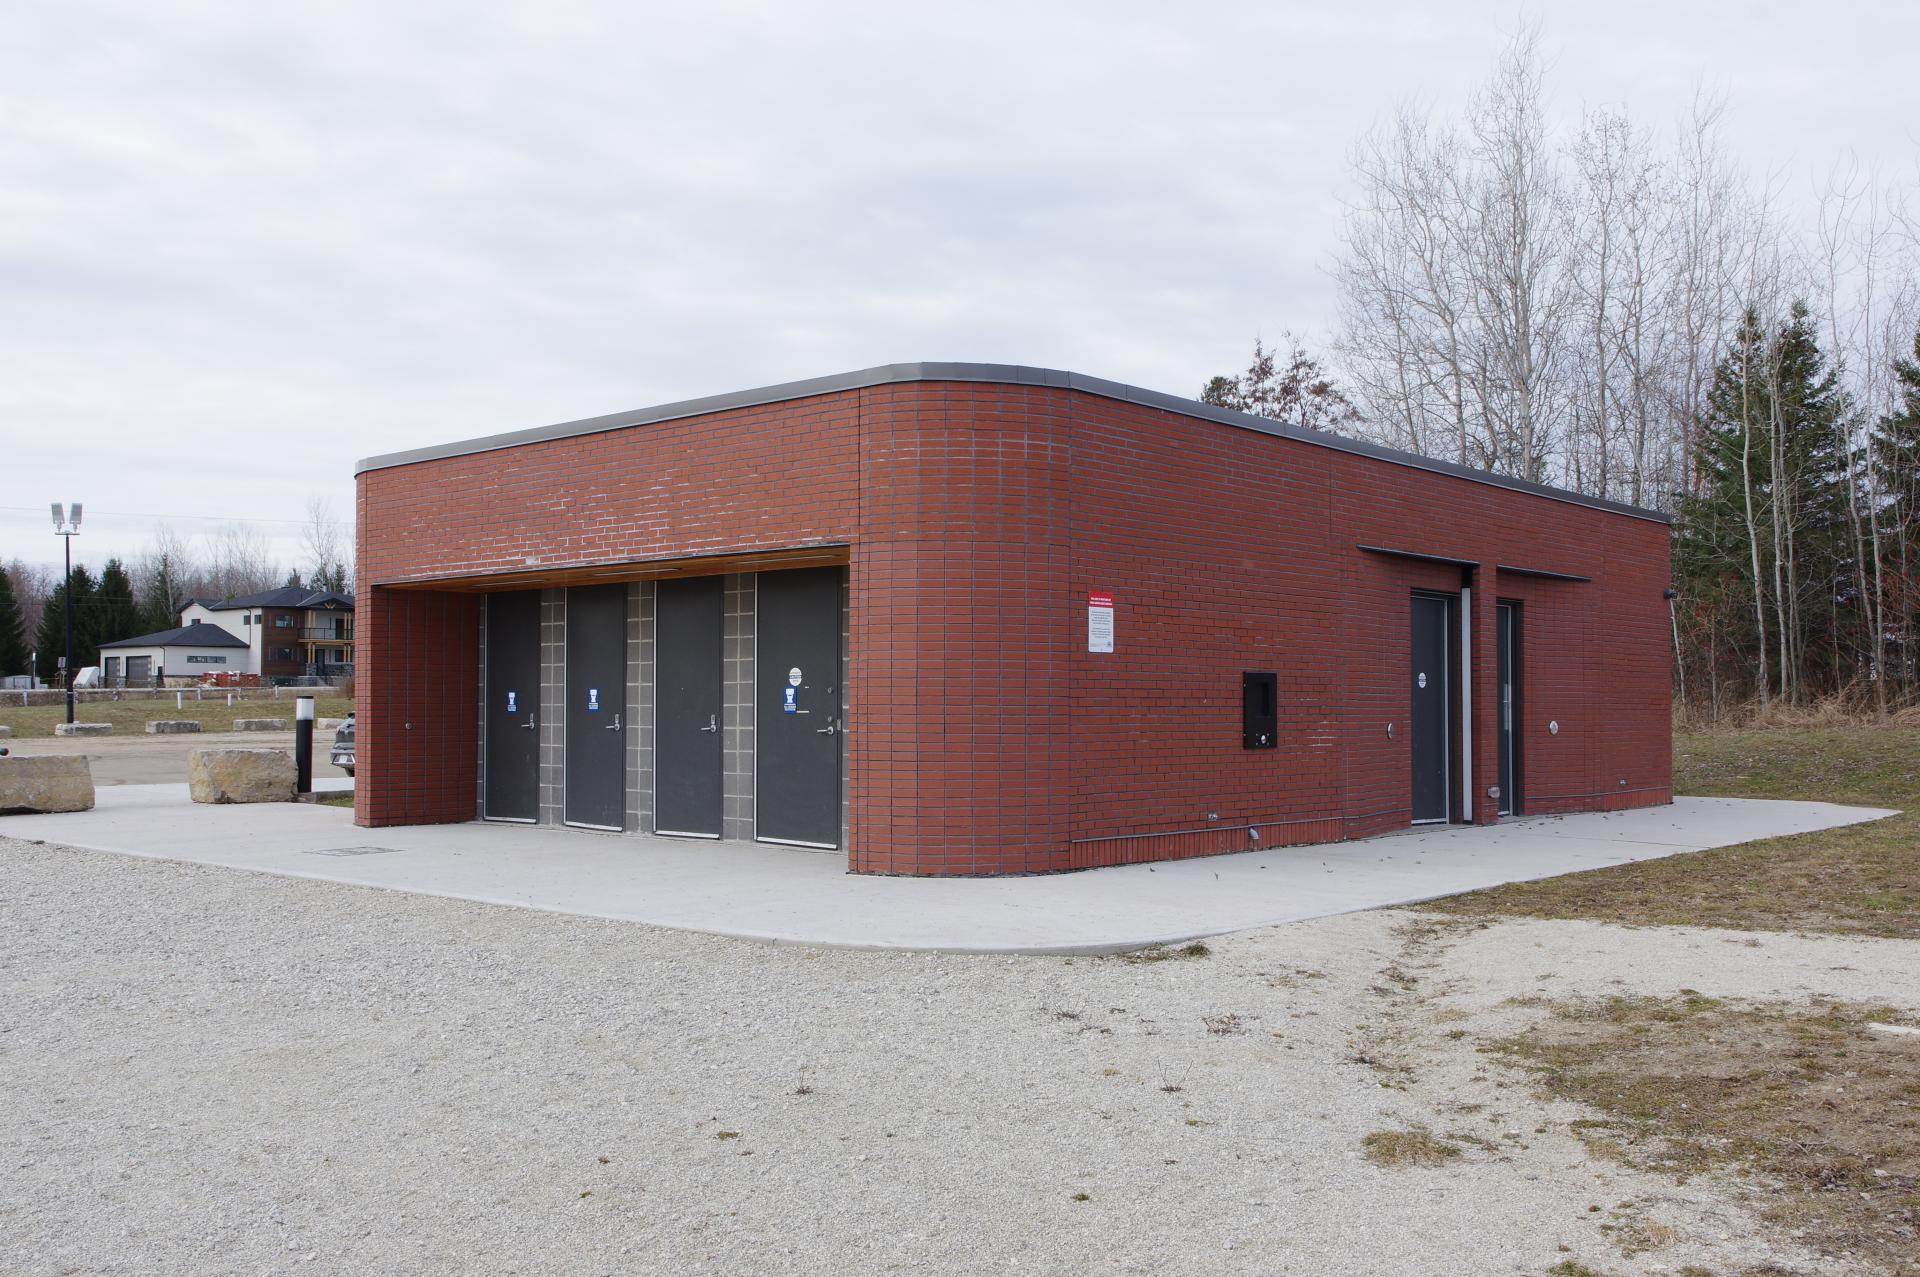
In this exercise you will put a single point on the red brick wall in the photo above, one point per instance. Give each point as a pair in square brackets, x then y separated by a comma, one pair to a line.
[983, 737]
[417, 727]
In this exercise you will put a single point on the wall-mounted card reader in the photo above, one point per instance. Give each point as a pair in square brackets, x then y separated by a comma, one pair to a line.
[1259, 709]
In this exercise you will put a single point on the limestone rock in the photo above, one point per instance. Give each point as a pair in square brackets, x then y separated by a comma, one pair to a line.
[45, 782]
[240, 775]
[171, 726]
[261, 725]
[83, 729]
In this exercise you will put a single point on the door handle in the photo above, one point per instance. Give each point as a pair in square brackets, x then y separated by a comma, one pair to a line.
[615, 725]
[828, 730]
[530, 724]
[713, 724]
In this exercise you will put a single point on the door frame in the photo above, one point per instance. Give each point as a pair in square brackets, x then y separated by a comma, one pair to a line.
[840, 720]
[486, 703]
[1506, 621]
[1450, 728]
[654, 765]
[568, 721]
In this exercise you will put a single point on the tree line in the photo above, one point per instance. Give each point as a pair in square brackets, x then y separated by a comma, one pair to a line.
[146, 594]
[1622, 311]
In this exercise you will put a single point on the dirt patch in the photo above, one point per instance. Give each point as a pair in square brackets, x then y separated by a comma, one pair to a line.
[1820, 1113]
[1408, 1148]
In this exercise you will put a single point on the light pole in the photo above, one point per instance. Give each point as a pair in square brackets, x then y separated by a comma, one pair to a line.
[68, 529]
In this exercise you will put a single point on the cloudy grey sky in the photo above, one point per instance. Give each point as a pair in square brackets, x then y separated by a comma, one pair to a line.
[243, 245]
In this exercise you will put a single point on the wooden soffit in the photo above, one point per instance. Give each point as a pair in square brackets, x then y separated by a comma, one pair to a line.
[558, 576]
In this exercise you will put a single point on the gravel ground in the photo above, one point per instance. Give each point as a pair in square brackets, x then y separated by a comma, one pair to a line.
[213, 1072]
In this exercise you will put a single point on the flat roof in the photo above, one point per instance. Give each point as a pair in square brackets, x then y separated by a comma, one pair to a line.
[995, 374]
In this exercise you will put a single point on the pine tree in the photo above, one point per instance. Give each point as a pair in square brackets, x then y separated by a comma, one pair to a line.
[1772, 460]
[1896, 471]
[1301, 393]
[114, 614]
[51, 638]
[13, 630]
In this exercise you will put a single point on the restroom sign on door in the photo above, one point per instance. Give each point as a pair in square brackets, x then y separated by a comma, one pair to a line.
[1099, 622]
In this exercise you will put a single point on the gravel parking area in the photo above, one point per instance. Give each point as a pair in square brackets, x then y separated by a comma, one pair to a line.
[213, 1072]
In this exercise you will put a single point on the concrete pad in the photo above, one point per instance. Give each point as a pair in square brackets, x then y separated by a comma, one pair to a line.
[786, 895]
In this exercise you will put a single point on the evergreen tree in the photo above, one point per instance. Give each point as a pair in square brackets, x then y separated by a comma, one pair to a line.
[1896, 470]
[1772, 459]
[13, 630]
[114, 614]
[51, 638]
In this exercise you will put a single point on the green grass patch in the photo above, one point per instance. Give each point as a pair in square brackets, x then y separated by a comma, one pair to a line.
[130, 717]
[1857, 880]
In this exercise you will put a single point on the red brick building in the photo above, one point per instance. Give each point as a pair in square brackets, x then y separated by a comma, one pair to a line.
[981, 619]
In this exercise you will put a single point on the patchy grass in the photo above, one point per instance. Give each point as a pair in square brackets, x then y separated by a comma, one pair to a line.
[1859, 880]
[1168, 953]
[336, 800]
[1822, 1114]
[1408, 1148]
[130, 717]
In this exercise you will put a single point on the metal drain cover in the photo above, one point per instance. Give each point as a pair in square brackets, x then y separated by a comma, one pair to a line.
[355, 851]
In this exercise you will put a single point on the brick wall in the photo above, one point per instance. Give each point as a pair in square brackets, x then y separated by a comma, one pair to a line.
[982, 736]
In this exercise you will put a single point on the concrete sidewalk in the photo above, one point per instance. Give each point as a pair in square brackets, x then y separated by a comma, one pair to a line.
[787, 895]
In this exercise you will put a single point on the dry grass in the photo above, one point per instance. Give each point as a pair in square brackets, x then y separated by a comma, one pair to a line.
[1408, 1148]
[1822, 1114]
[130, 717]
[1858, 880]
[1167, 953]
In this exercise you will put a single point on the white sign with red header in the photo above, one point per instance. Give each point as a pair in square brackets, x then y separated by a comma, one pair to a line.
[1099, 622]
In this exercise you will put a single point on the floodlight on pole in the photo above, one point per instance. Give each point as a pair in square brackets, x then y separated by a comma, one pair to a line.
[67, 530]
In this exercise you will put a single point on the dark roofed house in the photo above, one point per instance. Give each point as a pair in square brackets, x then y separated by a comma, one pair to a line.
[290, 632]
[184, 654]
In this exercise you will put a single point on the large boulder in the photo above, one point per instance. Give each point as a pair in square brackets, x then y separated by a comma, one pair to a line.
[5, 731]
[171, 726]
[240, 775]
[83, 729]
[45, 782]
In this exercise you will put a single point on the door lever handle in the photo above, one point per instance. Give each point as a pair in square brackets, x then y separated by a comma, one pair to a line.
[828, 730]
[530, 724]
[615, 725]
[713, 724]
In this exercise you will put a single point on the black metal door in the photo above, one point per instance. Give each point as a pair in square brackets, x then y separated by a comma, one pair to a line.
[597, 706]
[687, 708]
[797, 707]
[1506, 622]
[139, 671]
[513, 706]
[1430, 728]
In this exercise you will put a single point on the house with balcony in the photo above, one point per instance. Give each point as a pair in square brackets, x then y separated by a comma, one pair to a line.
[292, 632]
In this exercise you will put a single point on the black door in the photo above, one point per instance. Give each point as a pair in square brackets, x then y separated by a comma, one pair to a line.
[597, 706]
[1430, 705]
[797, 708]
[687, 708]
[1506, 623]
[513, 706]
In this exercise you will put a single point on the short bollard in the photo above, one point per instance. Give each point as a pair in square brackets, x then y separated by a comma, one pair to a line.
[303, 745]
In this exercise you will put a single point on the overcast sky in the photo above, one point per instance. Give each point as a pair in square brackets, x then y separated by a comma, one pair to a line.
[243, 245]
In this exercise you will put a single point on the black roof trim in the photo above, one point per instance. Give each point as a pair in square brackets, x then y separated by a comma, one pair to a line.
[199, 634]
[1423, 558]
[1542, 573]
[286, 596]
[998, 374]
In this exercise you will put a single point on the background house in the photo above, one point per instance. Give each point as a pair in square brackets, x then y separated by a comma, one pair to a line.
[291, 632]
[181, 655]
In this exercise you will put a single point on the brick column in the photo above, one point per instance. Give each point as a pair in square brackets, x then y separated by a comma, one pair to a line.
[1486, 695]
